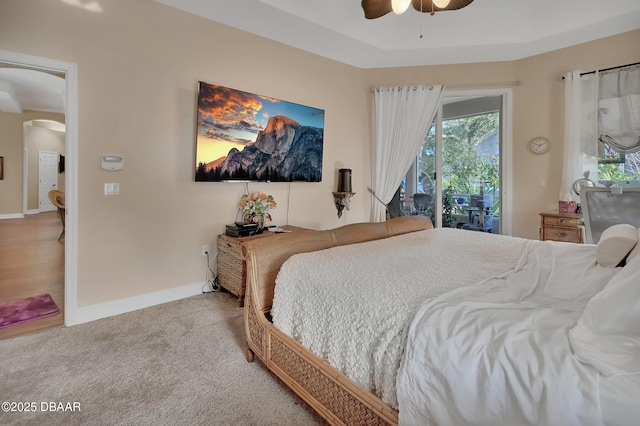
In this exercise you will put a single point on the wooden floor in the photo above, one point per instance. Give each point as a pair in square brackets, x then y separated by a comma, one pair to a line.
[32, 263]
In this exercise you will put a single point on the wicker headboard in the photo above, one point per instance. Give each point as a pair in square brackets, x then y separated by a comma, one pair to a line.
[265, 256]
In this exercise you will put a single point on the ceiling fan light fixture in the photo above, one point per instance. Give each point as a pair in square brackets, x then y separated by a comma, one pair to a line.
[374, 9]
[400, 6]
[441, 4]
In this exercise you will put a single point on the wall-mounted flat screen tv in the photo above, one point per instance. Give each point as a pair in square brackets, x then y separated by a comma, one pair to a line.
[246, 137]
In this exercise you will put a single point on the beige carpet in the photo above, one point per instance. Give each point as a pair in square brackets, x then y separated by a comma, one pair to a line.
[181, 363]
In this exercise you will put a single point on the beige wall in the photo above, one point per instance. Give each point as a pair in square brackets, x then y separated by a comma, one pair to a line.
[539, 106]
[138, 65]
[11, 148]
[538, 110]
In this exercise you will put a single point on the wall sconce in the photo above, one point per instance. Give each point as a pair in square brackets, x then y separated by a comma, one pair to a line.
[342, 197]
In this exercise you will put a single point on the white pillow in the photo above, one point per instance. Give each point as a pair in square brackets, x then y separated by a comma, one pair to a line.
[607, 335]
[636, 250]
[615, 243]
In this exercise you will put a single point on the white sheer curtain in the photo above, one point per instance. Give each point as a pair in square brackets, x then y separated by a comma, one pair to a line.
[580, 131]
[402, 116]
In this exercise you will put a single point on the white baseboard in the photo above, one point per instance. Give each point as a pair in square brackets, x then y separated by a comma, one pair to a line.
[12, 216]
[121, 306]
[18, 215]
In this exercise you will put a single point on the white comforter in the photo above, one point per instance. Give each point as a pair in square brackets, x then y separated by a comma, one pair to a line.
[498, 352]
[350, 307]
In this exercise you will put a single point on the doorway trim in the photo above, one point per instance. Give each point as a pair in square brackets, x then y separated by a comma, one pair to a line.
[71, 178]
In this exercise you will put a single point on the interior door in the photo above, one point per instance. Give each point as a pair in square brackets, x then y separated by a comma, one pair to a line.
[47, 178]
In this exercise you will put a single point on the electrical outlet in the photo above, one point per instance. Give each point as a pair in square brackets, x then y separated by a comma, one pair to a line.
[205, 250]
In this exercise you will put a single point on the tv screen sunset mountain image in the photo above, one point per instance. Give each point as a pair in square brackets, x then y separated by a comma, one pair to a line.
[242, 136]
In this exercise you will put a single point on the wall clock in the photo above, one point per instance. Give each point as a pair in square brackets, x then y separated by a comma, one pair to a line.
[539, 145]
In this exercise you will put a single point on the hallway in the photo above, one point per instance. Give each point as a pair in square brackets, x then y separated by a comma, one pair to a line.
[32, 263]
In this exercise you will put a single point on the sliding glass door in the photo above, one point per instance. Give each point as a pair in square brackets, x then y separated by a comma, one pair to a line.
[458, 176]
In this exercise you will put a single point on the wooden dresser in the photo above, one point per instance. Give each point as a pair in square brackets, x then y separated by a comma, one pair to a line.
[232, 269]
[561, 227]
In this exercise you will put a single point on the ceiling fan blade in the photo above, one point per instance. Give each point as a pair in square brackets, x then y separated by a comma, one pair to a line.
[376, 8]
[427, 5]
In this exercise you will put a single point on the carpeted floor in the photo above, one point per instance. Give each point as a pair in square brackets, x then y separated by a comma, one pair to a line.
[181, 363]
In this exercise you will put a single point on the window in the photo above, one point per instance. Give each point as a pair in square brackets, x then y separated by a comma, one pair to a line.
[618, 169]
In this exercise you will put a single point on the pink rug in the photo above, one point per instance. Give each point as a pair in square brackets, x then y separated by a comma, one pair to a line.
[29, 309]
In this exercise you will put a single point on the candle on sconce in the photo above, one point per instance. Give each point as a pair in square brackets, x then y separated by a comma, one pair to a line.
[344, 180]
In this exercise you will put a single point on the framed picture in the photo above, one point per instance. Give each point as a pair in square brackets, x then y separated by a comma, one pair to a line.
[1, 168]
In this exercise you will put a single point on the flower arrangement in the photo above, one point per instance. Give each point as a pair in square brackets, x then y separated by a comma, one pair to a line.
[255, 207]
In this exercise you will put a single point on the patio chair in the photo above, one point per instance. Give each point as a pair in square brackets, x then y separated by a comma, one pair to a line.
[421, 203]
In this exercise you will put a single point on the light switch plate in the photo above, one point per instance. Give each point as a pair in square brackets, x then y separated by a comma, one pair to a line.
[112, 188]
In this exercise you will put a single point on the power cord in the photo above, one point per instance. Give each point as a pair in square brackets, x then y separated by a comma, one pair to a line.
[212, 283]
[288, 201]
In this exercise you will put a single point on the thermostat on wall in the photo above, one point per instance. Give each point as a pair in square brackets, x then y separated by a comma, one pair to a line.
[112, 162]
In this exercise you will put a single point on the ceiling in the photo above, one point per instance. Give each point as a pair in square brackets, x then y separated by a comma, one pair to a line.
[485, 31]
[25, 89]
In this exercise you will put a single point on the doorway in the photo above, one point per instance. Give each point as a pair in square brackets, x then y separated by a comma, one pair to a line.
[69, 70]
[47, 179]
[463, 168]
[44, 161]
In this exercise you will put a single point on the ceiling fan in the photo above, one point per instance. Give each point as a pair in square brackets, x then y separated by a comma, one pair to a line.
[376, 8]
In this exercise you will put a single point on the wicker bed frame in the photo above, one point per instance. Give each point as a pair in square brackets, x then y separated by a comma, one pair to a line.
[333, 395]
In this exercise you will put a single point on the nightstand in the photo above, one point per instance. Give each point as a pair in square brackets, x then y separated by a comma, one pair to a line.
[565, 227]
[232, 268]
